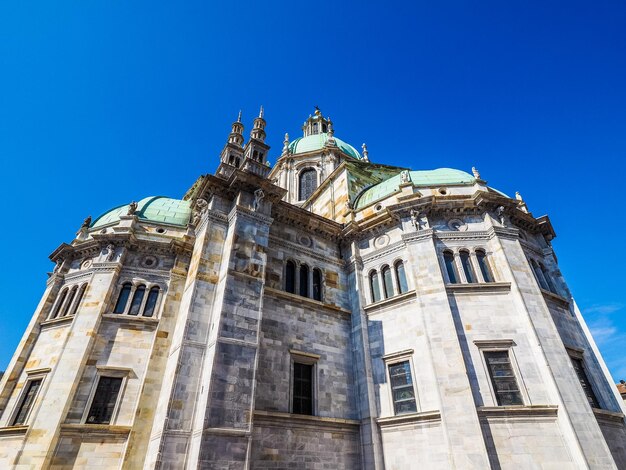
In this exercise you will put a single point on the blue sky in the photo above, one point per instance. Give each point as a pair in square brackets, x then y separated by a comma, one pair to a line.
[102, 103]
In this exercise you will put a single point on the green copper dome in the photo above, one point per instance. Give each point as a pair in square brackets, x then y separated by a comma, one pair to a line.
[438, 177]
[154, 209]
[314, 142]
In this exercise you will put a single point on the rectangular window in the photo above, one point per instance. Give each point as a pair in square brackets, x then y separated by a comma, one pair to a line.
[104, 400]
[579, 367]
[402, 391]
[503, 378]
[28, 400]
[302, 388]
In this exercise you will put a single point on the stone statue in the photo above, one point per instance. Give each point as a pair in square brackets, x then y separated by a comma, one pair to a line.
[198, 211]
[132, 208]
[86, 222]
[501, 215]
[476, 173]
[258, 197]
[415, 219]
[405, 177]
[110, 252]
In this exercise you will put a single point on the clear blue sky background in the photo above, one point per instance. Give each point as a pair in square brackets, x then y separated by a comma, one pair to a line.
[102, 103]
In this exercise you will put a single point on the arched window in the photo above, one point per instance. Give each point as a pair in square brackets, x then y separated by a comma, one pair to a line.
[324, 128]
[548, 278]
[401, 277]
[483, 264]
[255, 155]
[308, 183]
[290, 277]
[539, 275]
[237, 162]
[304, 280]
[68, 301]
[387, 282]
[448, 259]
[79, 299]
[153, 296]
[315, 128]
[374, 287]
[135, 305]
[59, 304]
[467, 266]
[317, 284]
[122, 299]
[231, 159]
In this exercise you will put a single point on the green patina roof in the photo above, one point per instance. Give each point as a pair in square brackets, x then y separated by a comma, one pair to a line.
[439, 177]
[314, 142]
[155, 209]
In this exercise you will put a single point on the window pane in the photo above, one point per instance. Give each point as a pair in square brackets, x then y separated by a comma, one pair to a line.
[548, 279]
[68, 301]
[151, 302]
[122, 300]
[374, 287]
[402, 391]
[448, 259]
[59, 304]
[290, 277]
[302, 388]
[484, 266]
[503, 379]
[317, 284]
[27, 402]
[104, 400]
[467, 266]
[79, 299]
[401, 278]
[137, 299]
[308, 183]
[387, 282]
[304, 280]
[584, 382]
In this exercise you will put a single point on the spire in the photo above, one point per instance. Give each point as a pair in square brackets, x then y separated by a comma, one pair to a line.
[316, 124]
[239, 117]
[365, 153]
[261, 112]
[258, 127]
[286, 144]
[236, 133]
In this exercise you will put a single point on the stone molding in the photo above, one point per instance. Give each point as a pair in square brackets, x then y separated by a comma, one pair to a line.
[299, 248]
[562, 301]
[103, 430]
[290, 420]
[315, 304]
[13, 430]
[383, 252]
[422, 417]
[608, 417]
[479, 288]
[376, 307]
[506, 413]
[241, 211]
[57, 321]
[418, 236]
[464, 236]
[132, 319]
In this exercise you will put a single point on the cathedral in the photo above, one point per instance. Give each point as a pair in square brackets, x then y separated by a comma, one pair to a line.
[326, 312]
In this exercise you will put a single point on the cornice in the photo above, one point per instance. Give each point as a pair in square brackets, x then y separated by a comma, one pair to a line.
[241, 211]
[423, 417]
[302, 219]
[517, 412]
[395, 301]
[479, 288]
[280, 242]
[315, 305]
[383, 252]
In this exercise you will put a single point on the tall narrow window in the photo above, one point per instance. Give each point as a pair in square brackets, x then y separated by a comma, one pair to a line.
[387, 282]
[304, 280]
[290, 277]
[122, 299]
[302, 388]
[548, 278]
[59, 303]
[401, 277]
[153, 296]
[467, 266]
[68, 301]
[374, 286]
[135, 305]
[317, 284]
[502, 378]
[308, 183]
[448, 259]
[79, 299]
[483, 264]
[579, 367]
[28, 400]
[539, 275]
[104, 400]
[402, 390]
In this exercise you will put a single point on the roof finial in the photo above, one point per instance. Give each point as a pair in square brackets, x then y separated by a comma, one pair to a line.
[318, 112]
[365, 153]
[239, 117]
[286, 144]
[476, 173]
[261, 112]
[518, 196]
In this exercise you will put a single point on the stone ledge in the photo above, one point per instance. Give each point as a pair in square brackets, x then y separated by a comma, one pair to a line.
[555, 297]
[136, 319]
[608, 416]
[518, 412]
[96, 429]
[396, 299]
[57, 321]
[13, 430]
[227, 431]
[425, 417]
[305, 300]
[479, 288]
[289, 419]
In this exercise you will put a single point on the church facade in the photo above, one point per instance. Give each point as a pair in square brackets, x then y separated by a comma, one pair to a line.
[328, 312]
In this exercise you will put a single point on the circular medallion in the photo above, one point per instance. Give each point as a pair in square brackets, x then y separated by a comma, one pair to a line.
[150, 262]
[457, 225]
[304, 240]
[86, 264]
[381, 241]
